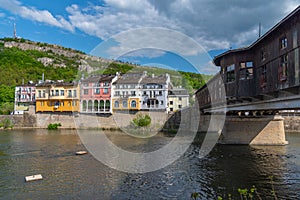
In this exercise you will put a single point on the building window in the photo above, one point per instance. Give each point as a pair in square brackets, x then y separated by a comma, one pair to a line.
[116, 104]
[179, 106]
[106, 84]
[263, 77]
[44, 94]
[69, 93]
[171, 109]
[56, 92]
[86, 91]
[62, 93]
[117, 93]
[230, 74]
[42, 103]
[262, 55]
[97, 91]
[161, 102]
[283, 42]
[75, 93]
[40, 94]
[133, 104]
[246, 70]
[282, 70]
[171, 102]
[52, 92]
[105, 90]
[132, 93]
[180, 98]
[74, 103]
[124, 104]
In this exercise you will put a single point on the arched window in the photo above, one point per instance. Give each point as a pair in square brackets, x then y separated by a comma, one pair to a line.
[90, 105]
[125, 105]
[107, 105]
[96, 105]
[101, 105]
[116, 104]
[133, 104]
[84, 106]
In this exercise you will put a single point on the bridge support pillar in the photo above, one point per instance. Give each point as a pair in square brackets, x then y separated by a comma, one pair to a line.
[264, 130]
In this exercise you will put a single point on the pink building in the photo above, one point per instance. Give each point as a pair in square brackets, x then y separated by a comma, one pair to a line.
[96, 94]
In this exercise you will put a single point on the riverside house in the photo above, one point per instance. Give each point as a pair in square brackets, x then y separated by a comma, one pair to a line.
[178, 99]
[154, 90]
[24, 97]
[96, 94]
[57, 97]
[127, 93]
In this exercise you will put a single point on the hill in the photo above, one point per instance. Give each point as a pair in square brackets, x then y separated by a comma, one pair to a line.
[23, 60]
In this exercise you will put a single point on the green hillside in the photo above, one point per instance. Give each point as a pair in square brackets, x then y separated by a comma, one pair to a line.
[58, 63]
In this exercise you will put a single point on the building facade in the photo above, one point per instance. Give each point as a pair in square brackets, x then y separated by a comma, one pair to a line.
[154, 92]
[178, 98]
[24, 97]
[57, 97]
[127, 93]
[96, 93]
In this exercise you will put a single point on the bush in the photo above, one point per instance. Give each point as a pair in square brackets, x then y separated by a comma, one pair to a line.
[53, 126]
[6, 123]
[142, 120]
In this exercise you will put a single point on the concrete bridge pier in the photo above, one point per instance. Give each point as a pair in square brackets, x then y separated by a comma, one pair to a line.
[263, 130]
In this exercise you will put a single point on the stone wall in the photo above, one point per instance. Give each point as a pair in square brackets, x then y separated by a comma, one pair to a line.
[292, 123]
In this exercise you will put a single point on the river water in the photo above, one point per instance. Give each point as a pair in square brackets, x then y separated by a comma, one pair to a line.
[67, 176]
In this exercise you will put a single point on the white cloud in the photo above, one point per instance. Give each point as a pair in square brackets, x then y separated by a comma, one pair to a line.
[34, 14]
[212, 23]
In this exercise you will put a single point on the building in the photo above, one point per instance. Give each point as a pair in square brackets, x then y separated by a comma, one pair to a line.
[127, 93]
[178, 98]
[24, 97]
[96, 94]
[268, 68]
[154, 90]
[57, 97]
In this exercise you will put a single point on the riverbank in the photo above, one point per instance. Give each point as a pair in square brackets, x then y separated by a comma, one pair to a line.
[110, 122]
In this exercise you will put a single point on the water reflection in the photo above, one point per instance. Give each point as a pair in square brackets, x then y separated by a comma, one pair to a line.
[67, 176]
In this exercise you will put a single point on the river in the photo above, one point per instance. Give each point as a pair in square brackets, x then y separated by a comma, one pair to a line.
[67, 176]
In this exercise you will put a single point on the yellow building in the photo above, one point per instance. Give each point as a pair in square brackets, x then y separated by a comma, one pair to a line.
[131, 103]
[57, 97]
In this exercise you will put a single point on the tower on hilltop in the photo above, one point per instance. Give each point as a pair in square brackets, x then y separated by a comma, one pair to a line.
[15, 31]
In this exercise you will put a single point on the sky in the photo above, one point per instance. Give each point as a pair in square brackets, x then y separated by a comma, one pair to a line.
[179, 34]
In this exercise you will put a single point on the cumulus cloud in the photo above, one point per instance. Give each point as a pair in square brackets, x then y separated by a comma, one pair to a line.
[212, 23]
[34, 14]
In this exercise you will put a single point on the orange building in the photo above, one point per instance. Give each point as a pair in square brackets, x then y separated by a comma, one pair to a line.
[57, 97]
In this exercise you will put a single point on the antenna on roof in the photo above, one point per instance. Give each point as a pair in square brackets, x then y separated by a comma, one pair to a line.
[15, 31]
[259, 29]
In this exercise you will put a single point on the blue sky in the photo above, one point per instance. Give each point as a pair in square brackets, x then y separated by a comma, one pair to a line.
[188, 33]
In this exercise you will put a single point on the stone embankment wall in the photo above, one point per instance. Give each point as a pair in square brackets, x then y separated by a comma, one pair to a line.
[292, 123]
[166, 121]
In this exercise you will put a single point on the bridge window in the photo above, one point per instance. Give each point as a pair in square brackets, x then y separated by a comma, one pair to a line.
[283, 42]
[282, 70]
[263, 77]
[246, 70]
[230, 74]
[262, 55]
